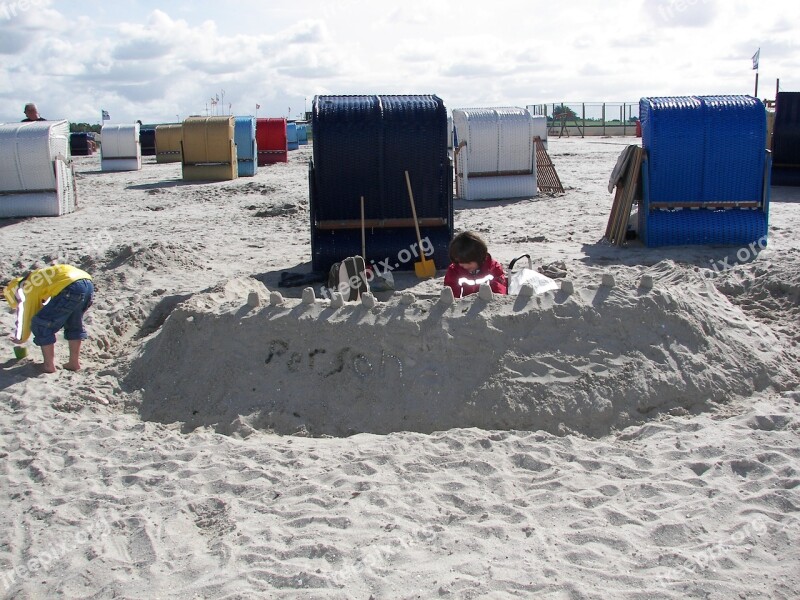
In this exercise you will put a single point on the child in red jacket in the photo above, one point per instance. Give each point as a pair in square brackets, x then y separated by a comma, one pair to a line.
[472, 265]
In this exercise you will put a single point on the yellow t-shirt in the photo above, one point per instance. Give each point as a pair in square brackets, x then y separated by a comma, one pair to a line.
[36, 290]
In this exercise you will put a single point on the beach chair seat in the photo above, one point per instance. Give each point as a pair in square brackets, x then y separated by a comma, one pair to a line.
[36, 175]
[120, 149]
[244, 135]
[495, 155]
[208, 149]
[168, 142]
[705, 174]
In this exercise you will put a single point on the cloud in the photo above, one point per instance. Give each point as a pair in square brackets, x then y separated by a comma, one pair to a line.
[141, 49]
[305, 32]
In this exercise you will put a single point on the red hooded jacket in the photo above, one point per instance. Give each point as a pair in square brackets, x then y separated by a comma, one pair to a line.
[464, 283]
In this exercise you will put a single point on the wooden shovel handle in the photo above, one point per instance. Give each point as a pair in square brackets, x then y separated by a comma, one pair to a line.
[414, 213]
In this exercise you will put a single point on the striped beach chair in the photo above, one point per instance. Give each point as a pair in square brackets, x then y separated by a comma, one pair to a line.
[208, 149]
[494, 153]
[120, 149]
[36, 176]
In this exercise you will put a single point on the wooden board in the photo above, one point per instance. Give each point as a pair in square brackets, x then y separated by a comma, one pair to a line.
[546, 177]
[623, 199]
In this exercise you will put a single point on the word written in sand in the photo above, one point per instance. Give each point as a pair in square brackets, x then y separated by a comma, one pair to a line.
[329, 363]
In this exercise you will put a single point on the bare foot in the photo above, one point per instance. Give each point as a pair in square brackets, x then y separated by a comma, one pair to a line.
[72, 366]
[44, 368]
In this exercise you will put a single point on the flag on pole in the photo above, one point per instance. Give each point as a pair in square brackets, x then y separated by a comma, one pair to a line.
[106, 117]
[258, 106]
[755, 59]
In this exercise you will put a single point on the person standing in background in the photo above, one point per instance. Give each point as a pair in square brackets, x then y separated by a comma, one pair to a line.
[32, 113]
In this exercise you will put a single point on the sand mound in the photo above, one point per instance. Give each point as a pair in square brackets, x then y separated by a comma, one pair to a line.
[603, 357]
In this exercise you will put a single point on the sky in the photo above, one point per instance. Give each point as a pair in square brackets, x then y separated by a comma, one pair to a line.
[163, 61]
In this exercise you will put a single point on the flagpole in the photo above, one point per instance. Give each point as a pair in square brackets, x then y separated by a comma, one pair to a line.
[756, 61]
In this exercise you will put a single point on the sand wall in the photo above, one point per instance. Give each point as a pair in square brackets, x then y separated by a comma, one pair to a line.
[602, 357]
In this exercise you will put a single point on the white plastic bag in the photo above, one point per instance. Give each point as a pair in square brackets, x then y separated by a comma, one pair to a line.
[516, 279]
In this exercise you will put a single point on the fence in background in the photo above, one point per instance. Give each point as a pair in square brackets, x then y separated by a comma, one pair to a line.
[588, 118]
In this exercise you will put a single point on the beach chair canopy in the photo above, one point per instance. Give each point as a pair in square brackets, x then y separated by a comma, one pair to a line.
[147, 141]
[36, 177]
[704, 170]
[302, 133]
[81, 143]
[244, 136]
[27, 152]
[292, 141]
[495, 153]
[363, 145]
[168, 142]
[499, 140]
[120, 141]
[271, 140]
[786, 139]
[208, 140]
[209, 150]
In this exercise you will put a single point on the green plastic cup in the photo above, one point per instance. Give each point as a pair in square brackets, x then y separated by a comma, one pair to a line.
[20, 352]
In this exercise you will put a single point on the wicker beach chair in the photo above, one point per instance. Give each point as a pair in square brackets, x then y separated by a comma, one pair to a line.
[120, 149]
[244, 135]
[292, 141]
[705, 175]
[81, 143]
[302, 133]
[208, 149]
[495, 155]
[786, 140]
[147, 140]
[271, 141]
[36, 177]
[168, 142]
[363, 145]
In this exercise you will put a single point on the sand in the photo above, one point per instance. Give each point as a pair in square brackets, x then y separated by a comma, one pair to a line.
[635, 438]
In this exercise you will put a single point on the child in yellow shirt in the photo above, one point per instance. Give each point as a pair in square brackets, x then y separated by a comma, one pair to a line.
[47, 300]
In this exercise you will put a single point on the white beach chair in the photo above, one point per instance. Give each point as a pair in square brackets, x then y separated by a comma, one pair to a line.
[36, 176]
[120, 149]
[495, 156]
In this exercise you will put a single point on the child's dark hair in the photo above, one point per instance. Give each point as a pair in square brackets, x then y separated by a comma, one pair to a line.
[467, 247]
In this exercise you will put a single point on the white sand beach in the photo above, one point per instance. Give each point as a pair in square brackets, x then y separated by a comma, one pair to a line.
[623, 441]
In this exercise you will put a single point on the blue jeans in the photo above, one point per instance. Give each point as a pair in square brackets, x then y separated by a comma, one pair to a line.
[65, 309]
